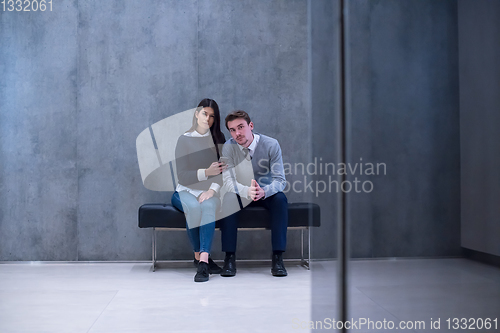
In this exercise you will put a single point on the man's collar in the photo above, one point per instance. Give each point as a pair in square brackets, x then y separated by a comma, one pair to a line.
[252, 146]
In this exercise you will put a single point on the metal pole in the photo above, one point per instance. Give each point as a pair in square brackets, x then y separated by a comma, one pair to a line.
[343, 239]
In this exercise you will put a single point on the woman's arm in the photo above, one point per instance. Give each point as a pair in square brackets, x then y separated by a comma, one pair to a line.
[186, 173]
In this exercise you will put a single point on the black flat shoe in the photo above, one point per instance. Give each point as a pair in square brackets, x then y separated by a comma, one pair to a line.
[202, 274]
[229, 268]
[278, 268]
[213, 268]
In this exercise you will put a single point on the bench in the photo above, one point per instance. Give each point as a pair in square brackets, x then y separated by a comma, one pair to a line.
[156, 152]
[165, 217]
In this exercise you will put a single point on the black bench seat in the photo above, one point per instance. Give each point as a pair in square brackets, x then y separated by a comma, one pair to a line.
[164, 217]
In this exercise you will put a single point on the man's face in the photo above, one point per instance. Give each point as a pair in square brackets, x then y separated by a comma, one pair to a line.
[241, 131]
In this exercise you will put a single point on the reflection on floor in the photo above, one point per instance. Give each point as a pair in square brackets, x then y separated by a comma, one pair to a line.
[111, 297]
[410, 292]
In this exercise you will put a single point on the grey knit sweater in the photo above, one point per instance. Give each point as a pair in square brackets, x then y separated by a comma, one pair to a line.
[191, 154]
[266, 164]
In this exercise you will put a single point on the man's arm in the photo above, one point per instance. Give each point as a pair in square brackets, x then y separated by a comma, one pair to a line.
[229, 176]
[277, 171]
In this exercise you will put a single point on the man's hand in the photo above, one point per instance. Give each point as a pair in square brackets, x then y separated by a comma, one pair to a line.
[206, 195]
[255, 192]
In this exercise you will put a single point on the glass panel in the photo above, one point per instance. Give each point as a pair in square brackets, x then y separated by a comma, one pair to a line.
[325, 94]
[422, 159]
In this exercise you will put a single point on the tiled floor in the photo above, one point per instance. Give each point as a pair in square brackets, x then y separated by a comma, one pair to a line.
[131, 298]
[111, 297]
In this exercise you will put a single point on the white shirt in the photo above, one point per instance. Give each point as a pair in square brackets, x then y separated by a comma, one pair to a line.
[252, 146]
[200, 173]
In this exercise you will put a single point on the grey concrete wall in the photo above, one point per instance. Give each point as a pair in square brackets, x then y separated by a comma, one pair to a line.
[80, 83]
[404, 100]
[137, 65]
[403, 111]
[253, 56]
[324, 73]
[325, 94]
[38, 120]
[479, 51]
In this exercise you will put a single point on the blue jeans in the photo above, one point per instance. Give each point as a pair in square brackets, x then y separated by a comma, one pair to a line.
[200, 219]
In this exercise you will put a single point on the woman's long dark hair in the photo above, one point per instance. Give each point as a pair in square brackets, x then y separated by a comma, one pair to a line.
[217, 136]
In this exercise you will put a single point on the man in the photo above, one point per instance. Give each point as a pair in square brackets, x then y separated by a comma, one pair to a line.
[255, 177]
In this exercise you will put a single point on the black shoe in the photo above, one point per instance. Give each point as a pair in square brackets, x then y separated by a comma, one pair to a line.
[202, 274]
[229, 268]
[213, 268]
[278, 268]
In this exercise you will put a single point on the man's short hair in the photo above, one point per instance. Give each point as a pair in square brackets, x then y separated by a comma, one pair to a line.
[237, 114]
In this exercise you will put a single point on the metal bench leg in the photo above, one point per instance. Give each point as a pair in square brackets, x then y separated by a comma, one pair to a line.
[154, 249]
[302, 261]
[309, 247]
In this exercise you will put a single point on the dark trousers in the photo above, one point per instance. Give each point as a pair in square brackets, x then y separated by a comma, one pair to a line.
[277, 205]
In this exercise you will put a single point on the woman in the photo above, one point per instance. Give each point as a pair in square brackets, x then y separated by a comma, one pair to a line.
[199, 175]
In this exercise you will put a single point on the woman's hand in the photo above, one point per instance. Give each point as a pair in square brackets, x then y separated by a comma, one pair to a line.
[206, 195]
[214, 169]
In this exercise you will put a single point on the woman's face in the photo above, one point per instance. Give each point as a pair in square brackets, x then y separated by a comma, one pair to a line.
[205, 118]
